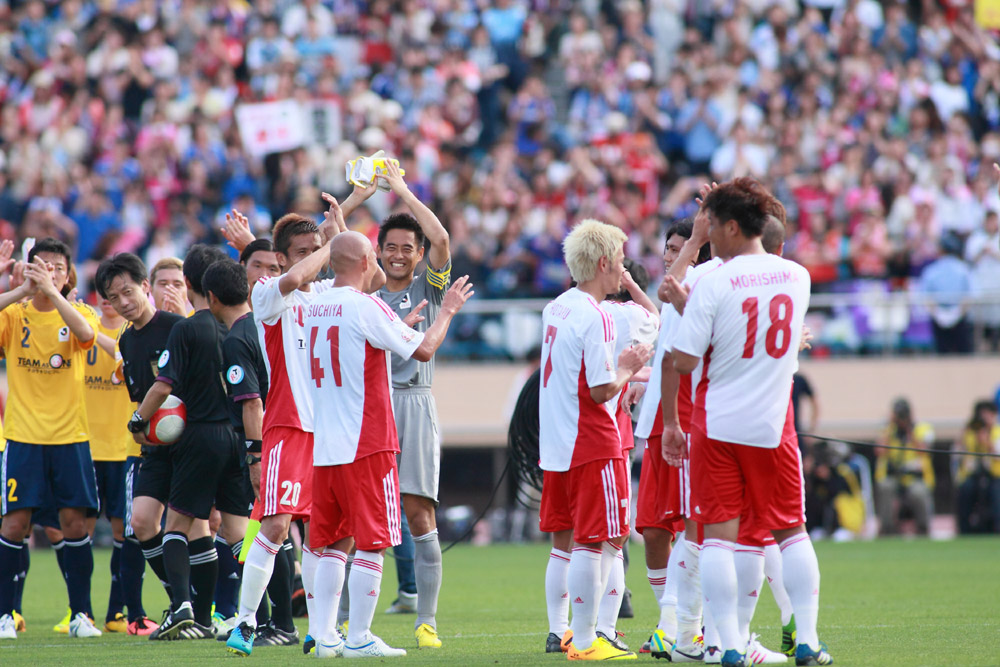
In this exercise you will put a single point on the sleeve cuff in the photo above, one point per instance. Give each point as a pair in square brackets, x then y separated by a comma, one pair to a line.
[245, 397]
[164, 378]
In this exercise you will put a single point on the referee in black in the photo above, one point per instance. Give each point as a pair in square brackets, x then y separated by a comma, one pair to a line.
[207, 460]
[228, 289]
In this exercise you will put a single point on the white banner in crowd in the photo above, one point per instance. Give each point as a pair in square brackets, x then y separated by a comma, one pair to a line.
[272, 127]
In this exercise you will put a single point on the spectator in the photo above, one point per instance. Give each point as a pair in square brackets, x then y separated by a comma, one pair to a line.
[978, 478]
[904, 479]
[982, 251]
[948, 284]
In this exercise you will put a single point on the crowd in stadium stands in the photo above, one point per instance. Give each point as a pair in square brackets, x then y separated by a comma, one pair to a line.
[876, 123]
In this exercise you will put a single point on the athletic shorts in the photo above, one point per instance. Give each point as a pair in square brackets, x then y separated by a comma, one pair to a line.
[360, 500]
[37, 476]
[419, 441]
[111, 487]
[591, 499]
[728, 479]
[286, 474]
[151, 478]
[207, 470]
[659, 502]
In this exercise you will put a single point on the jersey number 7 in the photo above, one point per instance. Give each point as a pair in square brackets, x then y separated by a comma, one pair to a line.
[780, 314]
[316, 368]
[550, 337]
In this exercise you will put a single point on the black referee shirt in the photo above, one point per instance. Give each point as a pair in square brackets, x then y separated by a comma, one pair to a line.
[246, 374]
[141, 350]
[192, 365]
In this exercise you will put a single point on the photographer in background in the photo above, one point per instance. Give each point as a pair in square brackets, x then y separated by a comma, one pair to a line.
[978, 478]
[904, 479]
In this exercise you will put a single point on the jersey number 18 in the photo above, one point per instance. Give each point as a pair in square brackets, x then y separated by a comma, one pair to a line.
[780, 314]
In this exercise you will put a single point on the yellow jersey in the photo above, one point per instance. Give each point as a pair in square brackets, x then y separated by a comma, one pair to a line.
[972, 442]
[108, 404]
[45, 370]
[908, 464]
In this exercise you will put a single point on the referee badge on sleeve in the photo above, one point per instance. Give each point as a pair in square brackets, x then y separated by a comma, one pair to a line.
[235, 374]
[164, 358]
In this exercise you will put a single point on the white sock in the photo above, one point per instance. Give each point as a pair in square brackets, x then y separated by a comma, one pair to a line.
[772, 570]
[329, 582]
[668, 601]
[365, 584]
[718, 581]
[611, 601]
[257, 571]
[556, 592]
[310, 559]
[689, 594]
[657, 581]
[711, 632]
[801, 572]
[584, 583]
[749, 563]
[427, 566]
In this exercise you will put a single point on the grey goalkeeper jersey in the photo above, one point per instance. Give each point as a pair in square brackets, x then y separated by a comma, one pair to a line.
[431, 284]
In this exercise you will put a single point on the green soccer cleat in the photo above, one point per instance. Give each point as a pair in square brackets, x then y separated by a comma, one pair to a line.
[788, 637]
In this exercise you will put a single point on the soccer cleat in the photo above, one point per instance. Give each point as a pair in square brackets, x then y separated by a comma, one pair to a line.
[693, 652]
[757, 654]
[601, 649]
[616, 641]
[197, 631]
[406, 603]
[646, 646]
[272, 636]
[82, 626]
[142, 627]
[240, 640]
[567, 641]
[222, 626]
[334, 649]
[788, 637]
[427, 637]
[308, 645]
[373, 648]
[173, 622]
[713, 655]
[19, 623]
[8, 627]
[116, 624]
[733, 658]
[660, 644]
[553, 644]
[806, 655]
[62, 627]
[342, 629]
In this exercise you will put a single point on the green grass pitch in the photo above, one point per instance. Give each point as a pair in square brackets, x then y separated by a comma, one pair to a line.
[889, 602]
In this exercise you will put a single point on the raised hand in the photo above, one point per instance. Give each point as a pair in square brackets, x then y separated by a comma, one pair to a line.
[6, 251]
[457, 295]
[39, 272]
[237, 230]
[675, 293]
[173, 302]
[393, 177]
[414, 317]
[333, 219]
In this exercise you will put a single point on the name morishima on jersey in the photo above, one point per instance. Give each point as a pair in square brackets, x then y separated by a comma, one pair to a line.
[45, 363]
[286, 341]
[246, 373]
[108, 404]
[577, 353]
[745, 319]
[431, 285]
[192, 366]
[351, 373]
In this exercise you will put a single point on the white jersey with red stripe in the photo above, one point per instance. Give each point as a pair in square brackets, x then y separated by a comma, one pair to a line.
[634, 325]
[285, 342]
[351, 372]
[745, 319]
[577, 353]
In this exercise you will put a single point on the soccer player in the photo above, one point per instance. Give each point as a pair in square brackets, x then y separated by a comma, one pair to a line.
[207, 460]
[168, 288]
[579, 443]
[356, 497]
[108, 408]
[47, 455]
[740, 411]
[122, 281]
[287, 441]
[401, 240]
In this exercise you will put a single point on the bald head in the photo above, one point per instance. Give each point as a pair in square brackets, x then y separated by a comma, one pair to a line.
[348, 251]
[773, 236]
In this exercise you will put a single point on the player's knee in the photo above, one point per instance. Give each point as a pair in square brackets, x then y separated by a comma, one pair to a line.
[73, 524]
[275, 528]
[15, 526]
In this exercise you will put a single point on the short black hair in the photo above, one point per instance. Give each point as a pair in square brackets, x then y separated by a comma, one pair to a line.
[197, 261]
[54, 246]
[227, 280]
[257, 245]
[685, 228]
[639, 274]
[289, 225]
[401, 221]
[744, 200]
[123, 264]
